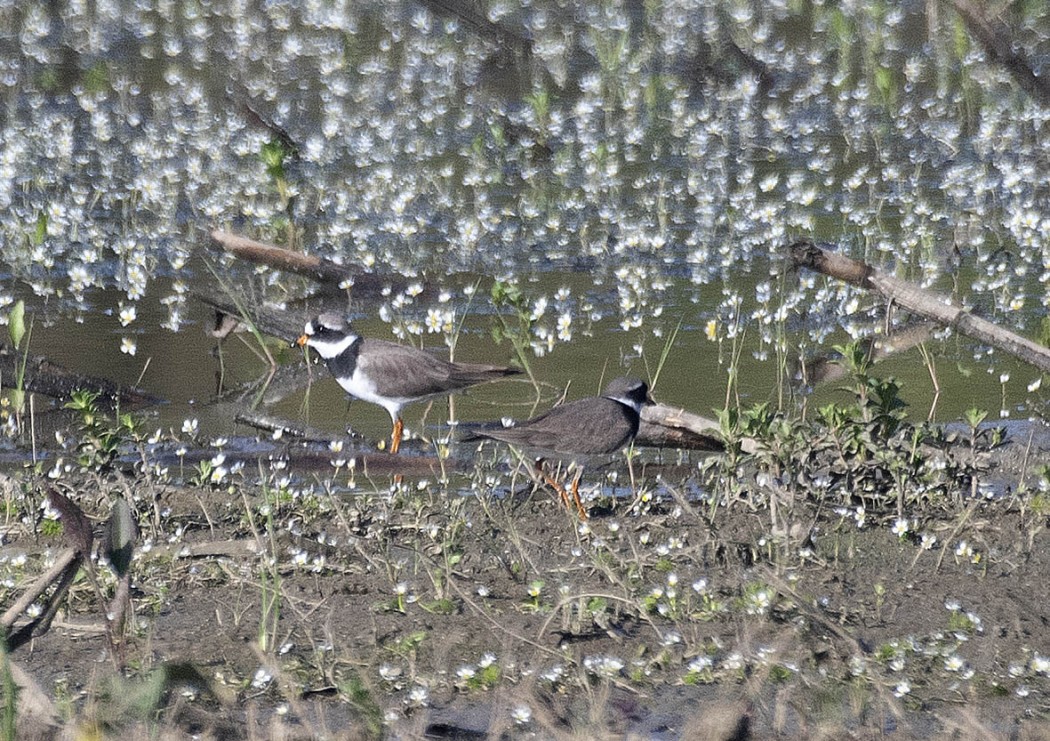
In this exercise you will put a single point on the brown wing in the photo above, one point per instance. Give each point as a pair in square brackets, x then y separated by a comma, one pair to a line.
[400, 371]
[592, 426]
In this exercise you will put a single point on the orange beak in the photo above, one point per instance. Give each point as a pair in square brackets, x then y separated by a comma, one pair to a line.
[301, 342]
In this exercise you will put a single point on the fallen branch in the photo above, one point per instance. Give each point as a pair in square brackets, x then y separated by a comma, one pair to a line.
[940, 309]
[280, 323]
[310, 266]
[1001, 46]
[664, 426]
[282, 259]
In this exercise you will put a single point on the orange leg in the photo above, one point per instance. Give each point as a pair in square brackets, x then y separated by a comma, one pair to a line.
[580, 511]
[395, 437]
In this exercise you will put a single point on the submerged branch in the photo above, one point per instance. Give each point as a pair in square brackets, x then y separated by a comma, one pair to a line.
[829, 368]
[44, 377]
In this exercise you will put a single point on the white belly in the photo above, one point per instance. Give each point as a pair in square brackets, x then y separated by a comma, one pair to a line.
[361, 387]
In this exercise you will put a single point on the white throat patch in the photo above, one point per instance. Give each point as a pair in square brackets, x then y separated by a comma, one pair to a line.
[633, 404]
[328, 350]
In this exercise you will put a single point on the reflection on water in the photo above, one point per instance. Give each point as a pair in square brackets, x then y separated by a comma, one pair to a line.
[632, 173]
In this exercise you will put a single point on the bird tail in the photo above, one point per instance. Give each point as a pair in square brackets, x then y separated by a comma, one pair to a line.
[478, 373]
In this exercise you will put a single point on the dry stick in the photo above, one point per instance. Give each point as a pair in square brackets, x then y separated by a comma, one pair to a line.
[593, 595]
[269, 423]
[806, 254]
[955, 531]
[40, 625]
[319, 269]
[501, 626]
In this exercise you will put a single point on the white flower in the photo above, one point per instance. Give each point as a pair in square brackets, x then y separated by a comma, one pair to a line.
[565, 327]
[1040, 664]
[522, 714]
[700, 664]
[127, 315]
[433, 321]
[262, 678]
[902, 688]
[418, 696]
[128, 346]
[389, 672]
[900, 527]
[465, 673]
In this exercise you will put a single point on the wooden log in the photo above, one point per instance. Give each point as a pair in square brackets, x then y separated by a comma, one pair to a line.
[940, 309]
[68, 558]
[280, 258]
[665, 426]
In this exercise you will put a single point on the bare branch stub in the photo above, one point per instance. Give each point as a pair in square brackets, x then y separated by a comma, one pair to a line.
[807, 254]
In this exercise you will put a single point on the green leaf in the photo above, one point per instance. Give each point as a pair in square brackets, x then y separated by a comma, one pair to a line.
[16, 323]
[40, 233]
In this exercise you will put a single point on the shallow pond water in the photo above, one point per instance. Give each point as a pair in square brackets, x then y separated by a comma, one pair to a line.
[632, 168]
